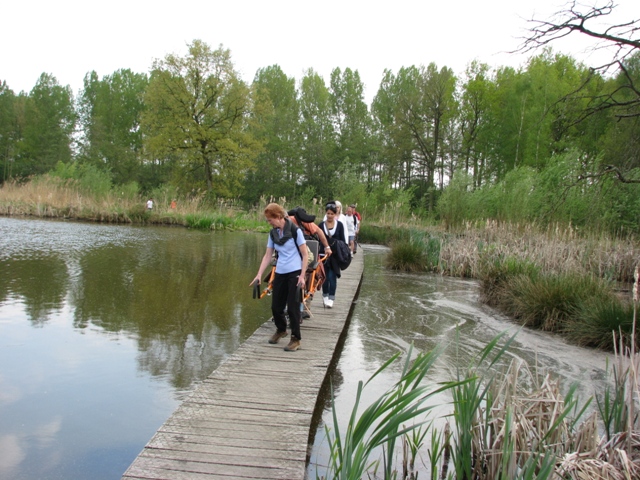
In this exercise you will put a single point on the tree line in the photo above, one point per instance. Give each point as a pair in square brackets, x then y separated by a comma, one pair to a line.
[514, 144]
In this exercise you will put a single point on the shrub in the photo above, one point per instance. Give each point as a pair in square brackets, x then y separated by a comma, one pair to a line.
[595, 321]
[410, 256]
[549, 301]
[495, 273]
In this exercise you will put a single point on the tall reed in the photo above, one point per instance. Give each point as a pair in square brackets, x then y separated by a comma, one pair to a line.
[511, 425]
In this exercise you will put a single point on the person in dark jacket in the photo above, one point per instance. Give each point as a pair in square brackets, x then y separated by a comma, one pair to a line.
[332, 228]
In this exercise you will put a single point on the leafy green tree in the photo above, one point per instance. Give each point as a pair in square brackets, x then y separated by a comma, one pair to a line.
[393, 136]
[8, 130]
[110, 110]
[478, 89]
[420, 105]
[277, 125]
[620, 99]
[46, 123]
[351, 123]
[196, 118]
[318, 140]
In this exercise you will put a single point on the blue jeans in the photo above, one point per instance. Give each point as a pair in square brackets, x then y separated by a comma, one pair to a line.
[330, 284]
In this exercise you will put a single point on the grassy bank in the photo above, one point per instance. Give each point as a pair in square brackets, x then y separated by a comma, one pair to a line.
[51, 197]
[554, 278]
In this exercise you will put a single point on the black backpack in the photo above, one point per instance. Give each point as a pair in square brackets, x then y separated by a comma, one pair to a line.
[340, 251]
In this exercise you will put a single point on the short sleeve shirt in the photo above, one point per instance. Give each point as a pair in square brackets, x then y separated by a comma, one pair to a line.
[289, 259]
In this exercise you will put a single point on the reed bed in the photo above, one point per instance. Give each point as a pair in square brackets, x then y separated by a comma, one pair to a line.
[51, 197]
[554, 249]
[509, 423]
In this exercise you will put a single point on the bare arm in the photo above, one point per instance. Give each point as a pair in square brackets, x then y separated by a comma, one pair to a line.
[266, 260]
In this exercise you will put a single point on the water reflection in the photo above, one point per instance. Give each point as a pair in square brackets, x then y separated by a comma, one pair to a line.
[129, 318]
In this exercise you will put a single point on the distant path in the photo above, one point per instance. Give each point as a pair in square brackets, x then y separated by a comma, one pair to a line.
[250, 418]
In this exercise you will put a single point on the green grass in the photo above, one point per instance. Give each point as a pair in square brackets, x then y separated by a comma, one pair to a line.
[595, 321]
[549, 301]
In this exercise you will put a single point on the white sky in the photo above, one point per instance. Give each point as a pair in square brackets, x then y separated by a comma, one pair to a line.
[68, 38]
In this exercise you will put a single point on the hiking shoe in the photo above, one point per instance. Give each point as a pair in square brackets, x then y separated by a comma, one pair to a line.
[294, 345]
[275, 338]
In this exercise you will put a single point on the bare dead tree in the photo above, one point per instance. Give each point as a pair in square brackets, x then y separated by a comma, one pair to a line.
[622, 97]
[621, 39]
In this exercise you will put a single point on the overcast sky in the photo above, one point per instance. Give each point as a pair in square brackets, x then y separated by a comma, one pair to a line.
[69, 38]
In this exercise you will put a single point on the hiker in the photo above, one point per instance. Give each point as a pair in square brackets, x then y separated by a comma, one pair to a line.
[358, 217]
[311, 231]
[332, 229]
[301, 218]
[352, 225]
[174, 204]
[289, 243]
[150, 204]
[340, 216]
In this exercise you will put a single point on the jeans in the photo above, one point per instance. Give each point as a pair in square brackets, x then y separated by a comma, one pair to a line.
[284, 294]
[330, 284]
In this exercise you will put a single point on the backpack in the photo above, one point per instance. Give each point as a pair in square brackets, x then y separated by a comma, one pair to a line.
[289, 232]
[340, 250]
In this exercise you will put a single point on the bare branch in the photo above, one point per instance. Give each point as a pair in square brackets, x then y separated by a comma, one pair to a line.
[564, 23]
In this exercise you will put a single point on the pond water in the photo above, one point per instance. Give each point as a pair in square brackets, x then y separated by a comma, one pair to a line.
[398, 311]
[105, 329]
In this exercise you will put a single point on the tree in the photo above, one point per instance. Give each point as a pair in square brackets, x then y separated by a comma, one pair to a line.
[351, 122]
[620, 98]
[46, 123]
[277, 125]
[110, 111]
[8, 130]
[318, 141]
[197, 113]
[477, 91]
[418, 105]
[396, 143]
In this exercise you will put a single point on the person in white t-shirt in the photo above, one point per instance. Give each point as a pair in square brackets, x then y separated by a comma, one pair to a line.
[150, 204]
[351, 228]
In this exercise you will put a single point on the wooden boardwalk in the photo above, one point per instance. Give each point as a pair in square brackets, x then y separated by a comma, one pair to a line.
[250, 419]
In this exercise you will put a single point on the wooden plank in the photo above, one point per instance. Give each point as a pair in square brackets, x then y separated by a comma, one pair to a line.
[251, 417]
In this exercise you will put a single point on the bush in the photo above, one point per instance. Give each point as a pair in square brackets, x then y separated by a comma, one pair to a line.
[415, 254]
[596, 321]
[494, 274]
[549, 301]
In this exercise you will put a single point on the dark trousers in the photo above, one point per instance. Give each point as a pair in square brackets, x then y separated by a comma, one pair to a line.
[284, 295]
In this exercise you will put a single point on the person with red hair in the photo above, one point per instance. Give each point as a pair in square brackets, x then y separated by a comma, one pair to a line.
[287, 240]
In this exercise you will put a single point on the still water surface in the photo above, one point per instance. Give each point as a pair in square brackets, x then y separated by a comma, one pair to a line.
[105, 329]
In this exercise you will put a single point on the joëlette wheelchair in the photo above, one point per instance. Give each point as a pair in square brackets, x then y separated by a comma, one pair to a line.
[313, 280]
